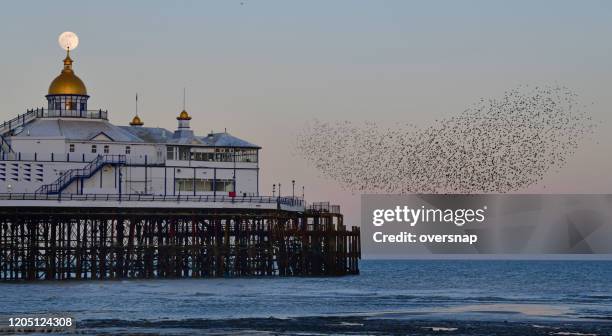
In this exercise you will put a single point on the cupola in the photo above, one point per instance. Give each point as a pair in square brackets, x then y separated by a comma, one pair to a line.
[183, 119]
[67, 91]
[136, 121]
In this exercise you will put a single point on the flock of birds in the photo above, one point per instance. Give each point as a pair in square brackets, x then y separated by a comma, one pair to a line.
[496, 146]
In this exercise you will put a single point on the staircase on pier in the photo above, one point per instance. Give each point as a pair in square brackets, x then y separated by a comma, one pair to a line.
[8, 127]
[89, 170]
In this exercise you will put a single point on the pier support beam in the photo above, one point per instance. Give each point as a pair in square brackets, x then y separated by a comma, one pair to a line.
[46, 243]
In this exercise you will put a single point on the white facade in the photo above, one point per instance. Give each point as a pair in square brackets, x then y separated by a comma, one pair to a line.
[151, 167]
[66, 149]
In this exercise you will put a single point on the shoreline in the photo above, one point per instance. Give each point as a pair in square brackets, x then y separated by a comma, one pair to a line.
[353, 325]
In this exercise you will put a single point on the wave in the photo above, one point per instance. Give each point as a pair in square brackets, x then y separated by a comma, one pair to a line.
[330, 325]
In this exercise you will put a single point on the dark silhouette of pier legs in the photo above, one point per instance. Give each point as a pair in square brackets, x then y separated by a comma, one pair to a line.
[103, 243]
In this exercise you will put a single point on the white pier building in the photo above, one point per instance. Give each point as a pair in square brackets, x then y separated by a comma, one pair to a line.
[73, 156]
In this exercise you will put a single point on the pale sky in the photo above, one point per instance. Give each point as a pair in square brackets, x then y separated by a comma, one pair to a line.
[262, 69]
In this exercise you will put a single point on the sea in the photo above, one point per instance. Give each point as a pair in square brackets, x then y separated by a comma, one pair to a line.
[388, 297]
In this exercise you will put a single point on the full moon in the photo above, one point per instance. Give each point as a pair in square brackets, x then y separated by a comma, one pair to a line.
[68, 40]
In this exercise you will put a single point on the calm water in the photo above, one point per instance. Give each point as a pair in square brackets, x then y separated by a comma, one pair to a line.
[528, 290]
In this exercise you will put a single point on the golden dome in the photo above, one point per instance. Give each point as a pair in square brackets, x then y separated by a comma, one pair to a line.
[136, 121]
[67, 82]
[183, 116]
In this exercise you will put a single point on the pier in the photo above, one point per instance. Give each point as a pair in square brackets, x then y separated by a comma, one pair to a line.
[83, 198]
[62, 242]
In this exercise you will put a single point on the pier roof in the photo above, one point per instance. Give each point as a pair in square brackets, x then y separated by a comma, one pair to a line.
[75, 130]
[186, 137]
[90, 129]
[226, 140]
[149, 134]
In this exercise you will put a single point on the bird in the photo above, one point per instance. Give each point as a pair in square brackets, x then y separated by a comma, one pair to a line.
[497, 145]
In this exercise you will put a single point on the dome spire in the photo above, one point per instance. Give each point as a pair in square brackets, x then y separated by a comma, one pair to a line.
[67, 83]
[68, 61]
[67, 92]
[184, 115]
[136, 121]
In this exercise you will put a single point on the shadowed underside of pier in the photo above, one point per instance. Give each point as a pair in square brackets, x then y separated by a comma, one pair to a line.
[38, 243]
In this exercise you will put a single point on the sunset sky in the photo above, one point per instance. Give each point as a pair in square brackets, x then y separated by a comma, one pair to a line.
[262, 69]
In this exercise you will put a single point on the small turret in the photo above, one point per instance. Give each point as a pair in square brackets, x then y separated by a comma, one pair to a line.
[136, 121]
[183, 120]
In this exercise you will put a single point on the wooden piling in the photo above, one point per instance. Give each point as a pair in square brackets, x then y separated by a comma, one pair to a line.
[101, 243]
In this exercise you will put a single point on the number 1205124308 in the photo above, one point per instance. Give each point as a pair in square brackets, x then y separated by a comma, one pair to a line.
[38, 323]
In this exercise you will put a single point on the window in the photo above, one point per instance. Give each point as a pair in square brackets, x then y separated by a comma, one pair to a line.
[184, 153]
[224, 155]
[170, 152]
[246, 155]
[71, 148]
[203, 184]
[199, 156]
[106, 149]
[183, 185]
[227, 155]
[224, 185]
[128, 149]
[94, 149]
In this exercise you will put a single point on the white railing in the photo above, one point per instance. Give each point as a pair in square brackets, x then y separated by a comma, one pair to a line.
[18, 121]
[83, 158]
[290, 201]
[87, 114]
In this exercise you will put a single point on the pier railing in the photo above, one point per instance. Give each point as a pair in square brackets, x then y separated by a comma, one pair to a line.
[289, 201]
[87, 114]
[18, 121]
[130, 159]
[32, 114]
[324, 207]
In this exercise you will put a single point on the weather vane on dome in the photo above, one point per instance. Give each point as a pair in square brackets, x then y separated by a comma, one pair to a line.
[68, 41]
